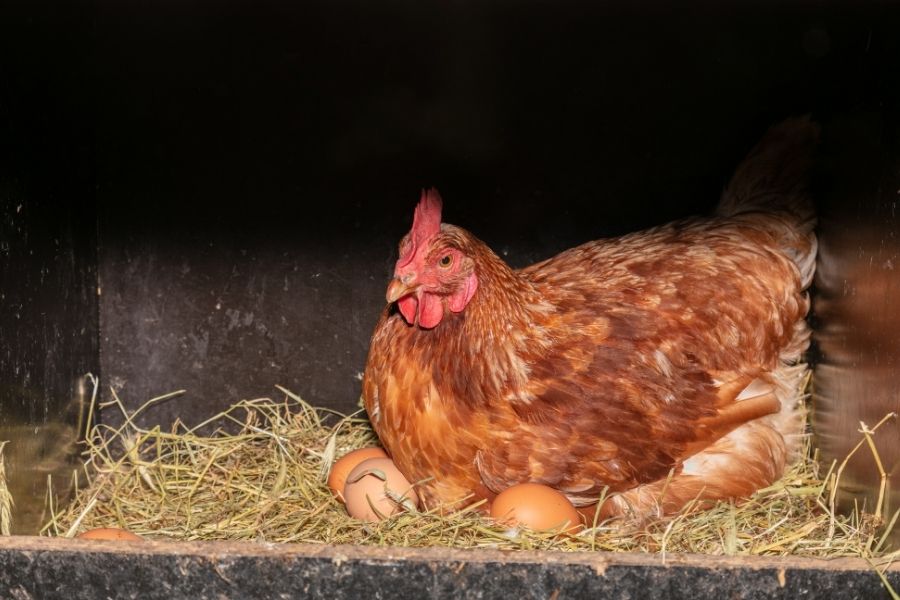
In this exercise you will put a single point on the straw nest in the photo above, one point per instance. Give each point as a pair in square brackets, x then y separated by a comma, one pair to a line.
[257, 472]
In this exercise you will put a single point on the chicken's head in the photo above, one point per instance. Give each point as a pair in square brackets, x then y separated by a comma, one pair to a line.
[433, 274]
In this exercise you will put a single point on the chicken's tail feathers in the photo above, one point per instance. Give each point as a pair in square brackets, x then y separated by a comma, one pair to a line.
[774, 179]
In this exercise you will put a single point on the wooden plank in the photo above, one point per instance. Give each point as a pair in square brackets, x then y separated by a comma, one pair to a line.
[50, 568]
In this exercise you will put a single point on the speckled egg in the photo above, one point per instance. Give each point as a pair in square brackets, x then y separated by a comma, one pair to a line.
[366, 490]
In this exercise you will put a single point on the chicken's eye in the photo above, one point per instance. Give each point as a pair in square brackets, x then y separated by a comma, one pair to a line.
[446, 261]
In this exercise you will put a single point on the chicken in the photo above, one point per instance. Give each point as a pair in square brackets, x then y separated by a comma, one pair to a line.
[659, 368]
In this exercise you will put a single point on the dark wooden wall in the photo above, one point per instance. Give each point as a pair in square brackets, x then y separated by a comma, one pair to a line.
[257, 163]
[235, 175]
[49, 309]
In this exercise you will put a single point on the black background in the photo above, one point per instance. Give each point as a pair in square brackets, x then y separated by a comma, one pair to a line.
[248, 167]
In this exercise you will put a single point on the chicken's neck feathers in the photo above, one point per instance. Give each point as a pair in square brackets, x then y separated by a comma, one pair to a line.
[500, 329]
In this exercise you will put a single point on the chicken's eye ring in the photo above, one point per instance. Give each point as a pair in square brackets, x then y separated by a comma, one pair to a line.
[446, 261]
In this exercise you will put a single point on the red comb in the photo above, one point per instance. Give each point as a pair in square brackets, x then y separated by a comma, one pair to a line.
[427, 218]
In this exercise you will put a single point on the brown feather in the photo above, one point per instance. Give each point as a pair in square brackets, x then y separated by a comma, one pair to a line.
[610, 366]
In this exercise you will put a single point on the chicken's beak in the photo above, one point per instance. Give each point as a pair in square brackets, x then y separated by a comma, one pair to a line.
[398, 288]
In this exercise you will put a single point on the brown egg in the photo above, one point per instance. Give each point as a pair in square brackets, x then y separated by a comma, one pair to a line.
[535, 506]
[108, 533]
[365, 492]
[342, 467]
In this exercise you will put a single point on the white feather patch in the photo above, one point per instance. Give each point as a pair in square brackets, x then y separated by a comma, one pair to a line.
[756, 388]
[663, 363]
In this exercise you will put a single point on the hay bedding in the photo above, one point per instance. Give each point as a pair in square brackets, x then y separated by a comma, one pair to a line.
[266, 483]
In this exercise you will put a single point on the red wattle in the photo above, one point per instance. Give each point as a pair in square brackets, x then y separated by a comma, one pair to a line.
[431, 310]
[409, 305]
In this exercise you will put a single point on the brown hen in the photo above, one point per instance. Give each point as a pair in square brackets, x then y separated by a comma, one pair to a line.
[662, 366]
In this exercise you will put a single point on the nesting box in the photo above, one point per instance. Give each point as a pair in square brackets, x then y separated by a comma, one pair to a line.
[209, 198]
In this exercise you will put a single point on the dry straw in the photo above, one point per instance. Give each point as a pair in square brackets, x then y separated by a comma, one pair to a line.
[257, 472]
[6, 499]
